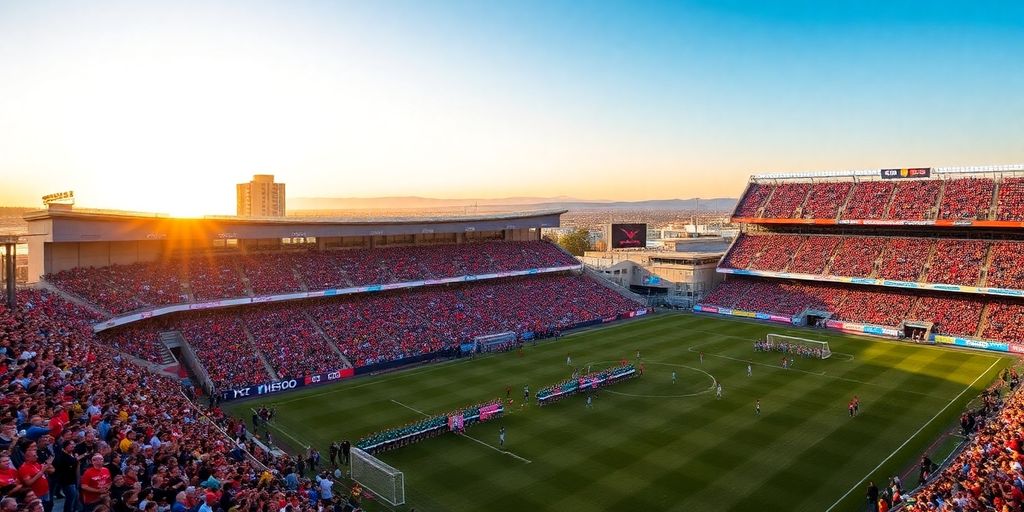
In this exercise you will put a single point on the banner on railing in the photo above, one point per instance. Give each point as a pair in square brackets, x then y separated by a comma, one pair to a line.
[268, 388]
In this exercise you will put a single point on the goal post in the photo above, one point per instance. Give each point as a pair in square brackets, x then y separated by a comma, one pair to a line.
[779, 339]
[384, 480]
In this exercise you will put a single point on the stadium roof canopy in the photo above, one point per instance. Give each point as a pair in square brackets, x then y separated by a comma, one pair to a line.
[875, 172]
[63, 223]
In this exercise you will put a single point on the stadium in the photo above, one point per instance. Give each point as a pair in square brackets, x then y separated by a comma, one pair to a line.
[862, 347]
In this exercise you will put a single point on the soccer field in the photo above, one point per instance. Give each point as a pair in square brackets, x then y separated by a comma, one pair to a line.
[649, 444]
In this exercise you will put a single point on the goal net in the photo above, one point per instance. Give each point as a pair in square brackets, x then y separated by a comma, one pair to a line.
[799, 346]
[384, 480]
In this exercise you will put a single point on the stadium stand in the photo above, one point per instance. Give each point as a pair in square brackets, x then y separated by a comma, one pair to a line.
[953, 315]
[1011, 199]
[856, 256]
[904, 258]
[825, 199]
[120, 289]
[289, 341]
[1005, 321]
[98, 404]
[814, 254]
[786, 201]
[220, 343]
[915, 200]
[1007, 267]
[869, 200]
[763, 252]
[957, 262]
[967, 199]
[753, 200]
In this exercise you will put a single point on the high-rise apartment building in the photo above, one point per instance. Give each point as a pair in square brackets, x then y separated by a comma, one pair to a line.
[261, 197]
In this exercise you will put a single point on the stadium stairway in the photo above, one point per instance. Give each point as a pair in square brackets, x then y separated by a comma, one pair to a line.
[927, 263]
[938, 203]
[331, 343]
[259, 353]
[760, 210]
[298, 279]
[166, 357]
[888, 202]
[995, 201]
[987, 265]
[983, 323]
[846, 201]
[75, 299]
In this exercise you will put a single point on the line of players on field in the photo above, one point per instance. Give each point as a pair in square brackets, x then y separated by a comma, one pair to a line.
[789, 348]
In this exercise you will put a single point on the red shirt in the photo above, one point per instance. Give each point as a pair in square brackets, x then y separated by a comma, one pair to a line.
[97, 479]
[28, 470]
[8, 476]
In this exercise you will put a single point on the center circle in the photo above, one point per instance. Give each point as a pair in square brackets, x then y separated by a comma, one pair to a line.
[656, 381]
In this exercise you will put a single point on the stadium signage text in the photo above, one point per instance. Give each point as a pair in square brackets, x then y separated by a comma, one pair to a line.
[913, 172]
[59, 196]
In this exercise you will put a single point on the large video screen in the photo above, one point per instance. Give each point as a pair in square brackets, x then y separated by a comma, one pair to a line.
[629, 236]
[913, 172]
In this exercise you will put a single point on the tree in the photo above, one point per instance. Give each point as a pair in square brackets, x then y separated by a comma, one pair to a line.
[575, 242]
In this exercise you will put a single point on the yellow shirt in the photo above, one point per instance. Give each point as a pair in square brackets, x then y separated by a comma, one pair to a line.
[125, 445]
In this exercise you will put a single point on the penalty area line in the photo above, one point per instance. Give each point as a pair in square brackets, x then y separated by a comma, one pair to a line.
[467, 436]
[905, 443]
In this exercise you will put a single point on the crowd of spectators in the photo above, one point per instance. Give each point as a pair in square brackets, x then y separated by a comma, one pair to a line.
[1005, 321]
[1011, 199]
[124, 288]
[753, 199]
[82, 425]
[856, 256]
[869, 200]
[221, 345]
[957, 262]
[786, 201]
[904, 258]
[1007, 267]
[987, 474]
[814, 254]
[950, 314]
[825, 199]
[915, 200]
[763, 252]
[967, 199]
[289, 341]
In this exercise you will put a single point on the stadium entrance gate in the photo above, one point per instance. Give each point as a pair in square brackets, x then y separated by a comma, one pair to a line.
[812, 318]
[916, 331]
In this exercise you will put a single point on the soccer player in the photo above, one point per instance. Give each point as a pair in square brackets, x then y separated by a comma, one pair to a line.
[590, 401]
[757, 407]
[637, 354]
[750, 371]
[673, 376]
[718, 392]
[701, 357]
[856, 405]
[526, 393]
[850, 407]
[501, 437]
[568, 360]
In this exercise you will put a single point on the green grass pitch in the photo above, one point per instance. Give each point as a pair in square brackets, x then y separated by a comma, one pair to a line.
[647, 444]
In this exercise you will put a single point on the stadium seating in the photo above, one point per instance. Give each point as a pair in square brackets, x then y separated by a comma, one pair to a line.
[825, 199]
[787, 199]
[124, 288]
[986, 474]
[1007, 268]
[763, 252]
[753, 200]
[289, 341]
[904, 258]
[951, 314]
[742, 252]
[856, 256]
[814, 254]
[915, 200]
[126, 409]
[967, 199]
[869, 200]
[873, 306]
[728, 293]
[1005, 321]
[223, 348]
[957, 262]
[1011, 199]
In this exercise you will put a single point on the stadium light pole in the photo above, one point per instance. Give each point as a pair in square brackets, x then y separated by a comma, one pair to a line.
[10, 269]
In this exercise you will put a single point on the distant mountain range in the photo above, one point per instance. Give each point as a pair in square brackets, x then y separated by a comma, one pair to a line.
[566, 202]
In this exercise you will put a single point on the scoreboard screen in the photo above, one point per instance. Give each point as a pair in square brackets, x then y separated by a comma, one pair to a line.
[629, 236]
[913, 172]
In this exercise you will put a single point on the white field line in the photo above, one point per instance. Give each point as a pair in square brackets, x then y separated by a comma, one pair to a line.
[283, 431]
[467, 436]
[912, 436]
[495, 448]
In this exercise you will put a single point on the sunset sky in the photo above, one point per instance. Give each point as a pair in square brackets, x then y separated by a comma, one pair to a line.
[164, 107]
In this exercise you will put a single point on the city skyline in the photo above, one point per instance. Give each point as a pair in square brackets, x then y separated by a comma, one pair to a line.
[135, 105]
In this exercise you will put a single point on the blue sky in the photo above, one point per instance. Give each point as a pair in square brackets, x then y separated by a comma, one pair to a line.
[620, 100]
